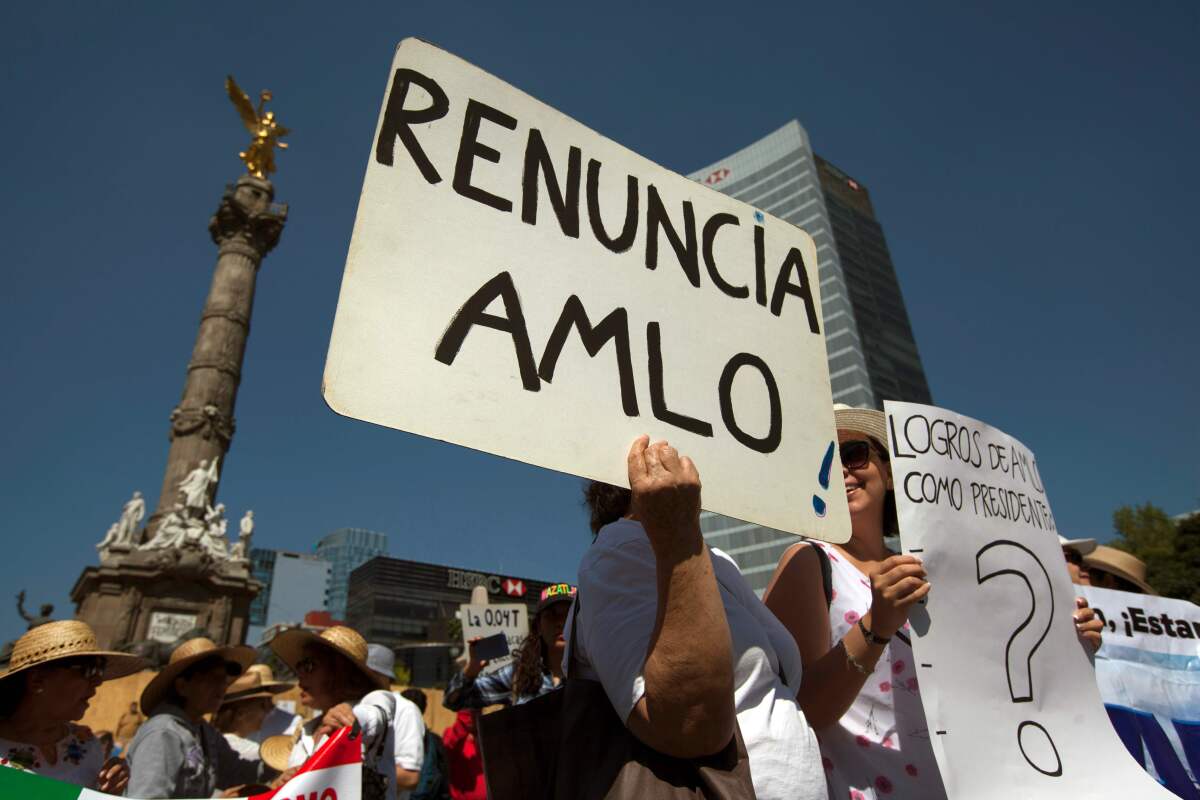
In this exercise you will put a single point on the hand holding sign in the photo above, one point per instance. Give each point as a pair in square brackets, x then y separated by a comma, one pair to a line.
[666, 494]
[895, 587]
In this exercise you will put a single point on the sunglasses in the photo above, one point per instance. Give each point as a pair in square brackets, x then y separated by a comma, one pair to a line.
[90, 669]
[856, 453]
[1073, 557]
[306, 666]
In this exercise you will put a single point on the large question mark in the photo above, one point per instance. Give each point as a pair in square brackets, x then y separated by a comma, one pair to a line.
[998, 558]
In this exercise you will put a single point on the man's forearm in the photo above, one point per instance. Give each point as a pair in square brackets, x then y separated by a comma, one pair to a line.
[688, 705]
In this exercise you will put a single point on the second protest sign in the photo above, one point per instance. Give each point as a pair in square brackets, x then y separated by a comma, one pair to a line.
[519, 284]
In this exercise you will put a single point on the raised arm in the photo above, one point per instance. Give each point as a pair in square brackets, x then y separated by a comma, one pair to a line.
[687, 708]
[833, 676]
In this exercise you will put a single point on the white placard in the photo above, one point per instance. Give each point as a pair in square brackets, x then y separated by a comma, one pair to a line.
[1009, 693]
[519, 284]
[511, 619]
[166, 627]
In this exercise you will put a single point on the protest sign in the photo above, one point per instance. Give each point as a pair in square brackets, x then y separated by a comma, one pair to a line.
[334, 772]
[511, 619]
[1148, 671]
[519, 284]
[1008, 690]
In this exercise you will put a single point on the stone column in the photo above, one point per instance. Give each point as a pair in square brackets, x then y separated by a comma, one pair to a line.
[246, 226]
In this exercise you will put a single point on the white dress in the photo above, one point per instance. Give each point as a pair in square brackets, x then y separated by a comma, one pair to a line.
[879, 749]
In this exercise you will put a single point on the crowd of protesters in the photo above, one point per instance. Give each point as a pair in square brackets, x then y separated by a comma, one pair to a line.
[813, 686]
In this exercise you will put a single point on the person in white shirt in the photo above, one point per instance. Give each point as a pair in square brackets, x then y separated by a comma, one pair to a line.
[678, 639]
[334, 677]
[248, 701]
[408, 726]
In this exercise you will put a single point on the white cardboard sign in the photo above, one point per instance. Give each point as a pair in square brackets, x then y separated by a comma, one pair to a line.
[519, 284]
[511, 619]
[1009, 693]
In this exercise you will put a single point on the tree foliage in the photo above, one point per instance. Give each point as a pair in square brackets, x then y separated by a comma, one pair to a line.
[1171, 550]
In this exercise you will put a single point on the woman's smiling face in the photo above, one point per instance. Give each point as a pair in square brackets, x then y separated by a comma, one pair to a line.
[866, 486]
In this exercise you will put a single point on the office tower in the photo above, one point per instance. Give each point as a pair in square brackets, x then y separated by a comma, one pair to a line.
[345, 549]
[869, 343]
[295, 584]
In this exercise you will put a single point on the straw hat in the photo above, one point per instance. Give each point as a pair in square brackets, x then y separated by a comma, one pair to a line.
[1122, 564]
[862, 420]
[256, 681]
[182, 657]
[289, 646]
[68, 638]
[1081, 546]
[276, 750]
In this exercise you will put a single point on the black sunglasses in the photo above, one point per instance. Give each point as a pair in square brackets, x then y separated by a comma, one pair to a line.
[1073, 557]
[855, 453]
[91, 668]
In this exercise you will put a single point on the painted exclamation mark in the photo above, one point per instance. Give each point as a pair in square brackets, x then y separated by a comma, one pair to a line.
[823, 479]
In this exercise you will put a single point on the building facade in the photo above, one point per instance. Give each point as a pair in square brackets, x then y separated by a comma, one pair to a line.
[345, 549]
[410, 606]
[869, 342]
[296, 584]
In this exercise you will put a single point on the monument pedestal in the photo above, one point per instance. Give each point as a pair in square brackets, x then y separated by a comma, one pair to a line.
[160, 595]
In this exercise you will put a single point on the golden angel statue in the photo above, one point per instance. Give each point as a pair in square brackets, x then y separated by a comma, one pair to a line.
[260, 156]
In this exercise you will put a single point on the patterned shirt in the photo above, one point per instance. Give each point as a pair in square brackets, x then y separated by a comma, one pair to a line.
[489, 690]
[78, 758]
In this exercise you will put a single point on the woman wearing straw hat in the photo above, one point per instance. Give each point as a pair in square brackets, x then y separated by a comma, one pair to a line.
[176, 753]
[1110, 568]
[247, 702]
[334, 677]
[54, 671]
[847, 607]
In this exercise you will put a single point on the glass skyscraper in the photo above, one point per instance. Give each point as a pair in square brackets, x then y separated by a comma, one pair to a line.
[869, 342]
[345, 549]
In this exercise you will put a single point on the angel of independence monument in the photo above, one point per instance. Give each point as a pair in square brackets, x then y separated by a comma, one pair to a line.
[179, 572]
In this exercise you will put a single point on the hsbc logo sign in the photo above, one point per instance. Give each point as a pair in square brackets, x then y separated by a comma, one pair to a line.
[464, 579]
[716, 176]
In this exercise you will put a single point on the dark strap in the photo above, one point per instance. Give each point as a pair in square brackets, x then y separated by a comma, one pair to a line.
[826, 572]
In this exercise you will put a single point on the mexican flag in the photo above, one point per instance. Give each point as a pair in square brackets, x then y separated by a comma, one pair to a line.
[333, 773]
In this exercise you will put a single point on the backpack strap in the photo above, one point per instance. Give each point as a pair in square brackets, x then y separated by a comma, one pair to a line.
[826, 571]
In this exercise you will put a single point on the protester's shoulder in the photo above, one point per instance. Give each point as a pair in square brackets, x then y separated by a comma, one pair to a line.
[382, 698]
[623, 538]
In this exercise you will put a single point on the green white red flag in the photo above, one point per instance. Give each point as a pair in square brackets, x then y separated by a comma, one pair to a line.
[333, 773]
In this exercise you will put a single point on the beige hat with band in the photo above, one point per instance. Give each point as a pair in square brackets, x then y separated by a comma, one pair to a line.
[68, 638]
[862, 420]
[289, 646]
[185, 655]
[1119, 563]
[256, 681]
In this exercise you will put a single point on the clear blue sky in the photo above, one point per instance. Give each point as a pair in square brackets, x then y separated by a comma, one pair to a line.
[1034, 167]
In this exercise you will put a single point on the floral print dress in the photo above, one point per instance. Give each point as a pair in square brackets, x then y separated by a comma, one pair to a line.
[79, 757]
[880, 747]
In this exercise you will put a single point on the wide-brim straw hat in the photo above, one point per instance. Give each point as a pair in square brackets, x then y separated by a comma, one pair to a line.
[289, 646]
[862, 420]
[1122, 564]
[275, 751]
[68, 638]
[1081, 546]
[182, 657]
[256, 681]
